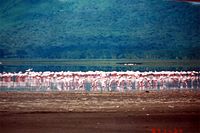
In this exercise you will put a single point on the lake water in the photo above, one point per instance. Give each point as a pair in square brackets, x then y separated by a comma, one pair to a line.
[97, 75]
[98, 66]
[99, 81]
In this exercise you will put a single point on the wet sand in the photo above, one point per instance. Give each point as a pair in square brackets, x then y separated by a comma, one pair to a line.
[136, 112]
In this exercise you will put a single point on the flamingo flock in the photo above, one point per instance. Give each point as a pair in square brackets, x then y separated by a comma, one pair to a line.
[99, 81]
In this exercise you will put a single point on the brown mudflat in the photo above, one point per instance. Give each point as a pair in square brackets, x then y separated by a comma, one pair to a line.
[138, 112]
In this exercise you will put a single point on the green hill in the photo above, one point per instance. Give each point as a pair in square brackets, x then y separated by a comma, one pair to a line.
[76, 29]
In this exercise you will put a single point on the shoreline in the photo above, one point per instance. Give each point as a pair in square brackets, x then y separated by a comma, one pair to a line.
[140, 112]
[139, 101]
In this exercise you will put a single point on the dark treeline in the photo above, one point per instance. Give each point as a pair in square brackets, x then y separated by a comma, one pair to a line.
[101, 52]
[106, 29]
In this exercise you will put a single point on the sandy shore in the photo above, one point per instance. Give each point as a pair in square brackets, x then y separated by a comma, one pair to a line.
[106, 112]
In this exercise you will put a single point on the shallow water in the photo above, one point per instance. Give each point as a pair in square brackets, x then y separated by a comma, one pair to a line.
[19, 79]
[99, 81]
[98, 65]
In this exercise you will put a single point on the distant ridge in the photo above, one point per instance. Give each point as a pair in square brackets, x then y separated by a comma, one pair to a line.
[105, 29]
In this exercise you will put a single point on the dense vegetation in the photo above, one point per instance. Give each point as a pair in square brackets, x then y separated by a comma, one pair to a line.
[112, 29]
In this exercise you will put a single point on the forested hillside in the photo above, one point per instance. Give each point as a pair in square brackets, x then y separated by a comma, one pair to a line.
[87, 29]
